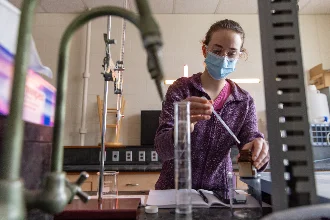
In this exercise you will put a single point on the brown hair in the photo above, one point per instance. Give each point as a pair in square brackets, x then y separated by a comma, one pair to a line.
[227, 25]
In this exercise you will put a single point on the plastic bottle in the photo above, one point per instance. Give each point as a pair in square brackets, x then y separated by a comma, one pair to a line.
[318, 109]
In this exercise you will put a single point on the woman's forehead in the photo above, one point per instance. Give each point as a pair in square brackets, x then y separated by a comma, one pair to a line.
[226, 38]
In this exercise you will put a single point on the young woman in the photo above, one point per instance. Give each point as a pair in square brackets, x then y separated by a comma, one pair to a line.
[210, 141]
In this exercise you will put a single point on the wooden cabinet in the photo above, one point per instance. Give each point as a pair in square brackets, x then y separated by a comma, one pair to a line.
[137, 181]
[127, 181]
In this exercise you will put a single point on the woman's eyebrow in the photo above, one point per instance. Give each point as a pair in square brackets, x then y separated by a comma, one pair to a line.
[218, 45]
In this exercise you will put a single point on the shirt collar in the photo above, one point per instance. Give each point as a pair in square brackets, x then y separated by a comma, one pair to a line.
[237, 92]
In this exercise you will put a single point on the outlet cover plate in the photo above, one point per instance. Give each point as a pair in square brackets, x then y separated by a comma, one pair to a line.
[115, 155]
[129, 155]
[154, 156]
[142, 156]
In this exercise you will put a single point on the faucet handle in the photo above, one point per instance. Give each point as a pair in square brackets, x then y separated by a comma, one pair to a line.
[83, 196]
[76, 187]
[83, 176]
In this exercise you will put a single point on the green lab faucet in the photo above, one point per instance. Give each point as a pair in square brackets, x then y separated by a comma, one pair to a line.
[56, 191]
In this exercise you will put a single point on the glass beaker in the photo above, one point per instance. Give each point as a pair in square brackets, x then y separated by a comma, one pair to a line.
[110, 183]
[182, 158]
[245, 198]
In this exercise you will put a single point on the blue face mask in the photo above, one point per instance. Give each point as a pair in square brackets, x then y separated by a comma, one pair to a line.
[219, 67]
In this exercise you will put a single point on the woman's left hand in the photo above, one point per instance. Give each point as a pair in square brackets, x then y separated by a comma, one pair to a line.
[260, 151]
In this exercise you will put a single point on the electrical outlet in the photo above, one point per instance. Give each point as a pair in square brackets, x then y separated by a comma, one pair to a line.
[142, 156]
[115, 155]
[154, 156]
[129, 155]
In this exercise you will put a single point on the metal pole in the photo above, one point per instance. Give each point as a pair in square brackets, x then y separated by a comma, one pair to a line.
[104, 128]
[86, 76]
[11, 187]
[120, 73]
[105, 108]
[123, 37]
[11, 152]
[109, 34]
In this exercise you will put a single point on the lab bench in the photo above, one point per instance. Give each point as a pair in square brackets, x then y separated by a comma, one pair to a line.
[223, 213]
[197, 214]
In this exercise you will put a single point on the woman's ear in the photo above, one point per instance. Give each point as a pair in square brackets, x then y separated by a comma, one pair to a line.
[204, 50]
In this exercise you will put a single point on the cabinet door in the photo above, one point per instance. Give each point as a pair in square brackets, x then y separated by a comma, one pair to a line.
[137, 181]
[127, 181]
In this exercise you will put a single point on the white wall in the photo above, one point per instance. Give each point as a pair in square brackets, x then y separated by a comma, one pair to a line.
[182, 35]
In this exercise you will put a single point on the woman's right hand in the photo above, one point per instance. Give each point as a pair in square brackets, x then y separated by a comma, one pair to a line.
[200, 109]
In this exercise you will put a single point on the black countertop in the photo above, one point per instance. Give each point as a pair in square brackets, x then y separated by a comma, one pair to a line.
[223, 213]
[200, 214]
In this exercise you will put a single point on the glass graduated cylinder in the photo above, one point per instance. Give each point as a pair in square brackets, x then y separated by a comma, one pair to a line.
[182, 157]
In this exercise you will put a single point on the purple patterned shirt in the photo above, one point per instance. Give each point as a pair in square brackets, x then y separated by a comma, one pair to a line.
[210, 141]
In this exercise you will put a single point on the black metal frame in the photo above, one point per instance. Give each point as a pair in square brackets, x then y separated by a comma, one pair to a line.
[287, 119]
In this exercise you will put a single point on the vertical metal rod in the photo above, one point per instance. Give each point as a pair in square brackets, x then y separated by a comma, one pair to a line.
[123, 36]
[11, 152]
[104, 115]
[86, 76]
[108, 37]
[104, 128]
[119, 76]
[118, 115]
[118, 102]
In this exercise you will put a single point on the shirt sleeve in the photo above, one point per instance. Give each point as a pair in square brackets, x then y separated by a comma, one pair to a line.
[249, 130]
[164, 138]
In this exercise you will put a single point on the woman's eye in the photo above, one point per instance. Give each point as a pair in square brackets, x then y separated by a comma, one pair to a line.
[232, 54]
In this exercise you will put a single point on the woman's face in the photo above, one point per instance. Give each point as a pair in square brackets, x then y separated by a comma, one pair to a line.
[224, 43]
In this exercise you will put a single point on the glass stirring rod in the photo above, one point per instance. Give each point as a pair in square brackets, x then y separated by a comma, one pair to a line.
[223, 123]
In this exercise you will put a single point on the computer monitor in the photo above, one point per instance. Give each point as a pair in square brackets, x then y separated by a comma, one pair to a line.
[149, 125]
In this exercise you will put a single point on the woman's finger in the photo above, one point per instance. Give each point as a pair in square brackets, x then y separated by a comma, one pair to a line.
[257, 147]
[200, 112]
[197, 105]
[197, 99]
[263, 162]
[263, 154]
[197, 118]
